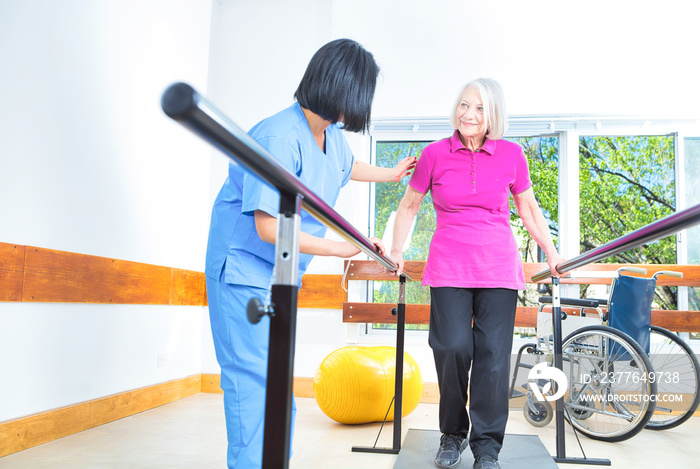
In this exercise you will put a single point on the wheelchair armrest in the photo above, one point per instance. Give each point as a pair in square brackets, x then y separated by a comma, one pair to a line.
[573, 302]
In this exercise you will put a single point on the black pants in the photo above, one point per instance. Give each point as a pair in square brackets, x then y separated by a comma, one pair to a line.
[485, 348]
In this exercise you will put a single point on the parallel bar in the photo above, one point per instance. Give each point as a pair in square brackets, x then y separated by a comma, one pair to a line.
[646, 234]
[185, 105]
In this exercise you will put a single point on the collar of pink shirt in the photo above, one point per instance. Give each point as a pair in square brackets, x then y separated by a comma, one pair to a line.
[456, 144]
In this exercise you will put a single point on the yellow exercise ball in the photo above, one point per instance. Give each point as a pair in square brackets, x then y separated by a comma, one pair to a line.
[356, 384]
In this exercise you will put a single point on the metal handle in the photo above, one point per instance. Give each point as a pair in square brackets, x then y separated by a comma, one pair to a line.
[670, 273]
[634, 270]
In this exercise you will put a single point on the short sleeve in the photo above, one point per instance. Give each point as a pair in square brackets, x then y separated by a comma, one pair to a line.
[258, 194]
[421, 177]
[347, 159]
[522, 180]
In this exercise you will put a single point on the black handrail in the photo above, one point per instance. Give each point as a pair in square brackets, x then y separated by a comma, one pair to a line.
[647, 234]
[184, 104]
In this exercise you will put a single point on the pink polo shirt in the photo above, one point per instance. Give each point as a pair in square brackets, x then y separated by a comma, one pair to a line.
[473, 245]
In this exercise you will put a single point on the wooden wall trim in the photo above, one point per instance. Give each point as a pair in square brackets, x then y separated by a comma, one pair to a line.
[188, 288]
[301, 387]
[17, 435]
[33, 274]
[322, 291]
[211, 383]
[66, 277]
[11, 271]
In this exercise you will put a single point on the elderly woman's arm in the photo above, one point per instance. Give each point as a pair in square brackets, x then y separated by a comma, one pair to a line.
[535, 223]
[408, 208]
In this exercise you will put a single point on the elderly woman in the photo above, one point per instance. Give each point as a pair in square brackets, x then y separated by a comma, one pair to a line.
[474, 269]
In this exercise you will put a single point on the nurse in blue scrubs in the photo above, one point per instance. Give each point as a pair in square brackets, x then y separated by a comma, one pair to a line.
[335, 94]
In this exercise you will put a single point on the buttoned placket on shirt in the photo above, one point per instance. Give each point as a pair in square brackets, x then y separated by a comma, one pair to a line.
[458, 146]
[473, 178]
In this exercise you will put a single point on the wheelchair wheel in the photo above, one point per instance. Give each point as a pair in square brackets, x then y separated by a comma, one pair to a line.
[677, 375]
[541, 416]
[609, 395]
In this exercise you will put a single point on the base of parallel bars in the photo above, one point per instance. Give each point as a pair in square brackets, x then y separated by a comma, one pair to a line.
[583, 461]
[369, 449]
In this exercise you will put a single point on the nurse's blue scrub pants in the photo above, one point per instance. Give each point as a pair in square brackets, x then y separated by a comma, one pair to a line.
[241, 350]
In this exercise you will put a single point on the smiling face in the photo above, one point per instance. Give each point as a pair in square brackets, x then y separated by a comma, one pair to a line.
[470, 117]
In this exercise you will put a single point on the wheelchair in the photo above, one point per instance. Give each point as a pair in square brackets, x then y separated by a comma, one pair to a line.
[623, 374]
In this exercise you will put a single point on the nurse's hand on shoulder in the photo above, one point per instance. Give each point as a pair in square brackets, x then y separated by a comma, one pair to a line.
[362, 171]
[404, 168]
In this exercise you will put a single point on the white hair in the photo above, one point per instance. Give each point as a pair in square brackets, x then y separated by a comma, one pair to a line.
[494, 103]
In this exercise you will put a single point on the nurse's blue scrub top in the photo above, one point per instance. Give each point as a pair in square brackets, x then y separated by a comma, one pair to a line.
[234, 245]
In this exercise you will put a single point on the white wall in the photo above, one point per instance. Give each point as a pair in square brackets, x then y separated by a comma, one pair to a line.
[61, 354]
[89, 159]
[90, 164]
[552, 57]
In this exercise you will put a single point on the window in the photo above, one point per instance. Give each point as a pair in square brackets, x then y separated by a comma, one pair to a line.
[387, 198]
[692, 197]
[627, 183]
[542, 154]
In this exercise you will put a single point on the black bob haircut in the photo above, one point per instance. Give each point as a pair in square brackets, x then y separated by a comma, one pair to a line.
[339, 83]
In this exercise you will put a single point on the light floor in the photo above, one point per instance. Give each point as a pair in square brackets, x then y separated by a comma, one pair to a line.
[190, 434]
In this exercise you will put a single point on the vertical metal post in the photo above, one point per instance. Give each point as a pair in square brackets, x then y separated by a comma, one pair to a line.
[400, 331]
[398, 381]
[559, 404]
[280, 361]
[558, 363]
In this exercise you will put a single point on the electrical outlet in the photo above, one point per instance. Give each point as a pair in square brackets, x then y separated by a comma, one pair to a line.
[162, 360]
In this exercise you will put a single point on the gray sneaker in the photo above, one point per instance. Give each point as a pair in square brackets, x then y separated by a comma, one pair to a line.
[484, 461]
[450, 452]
